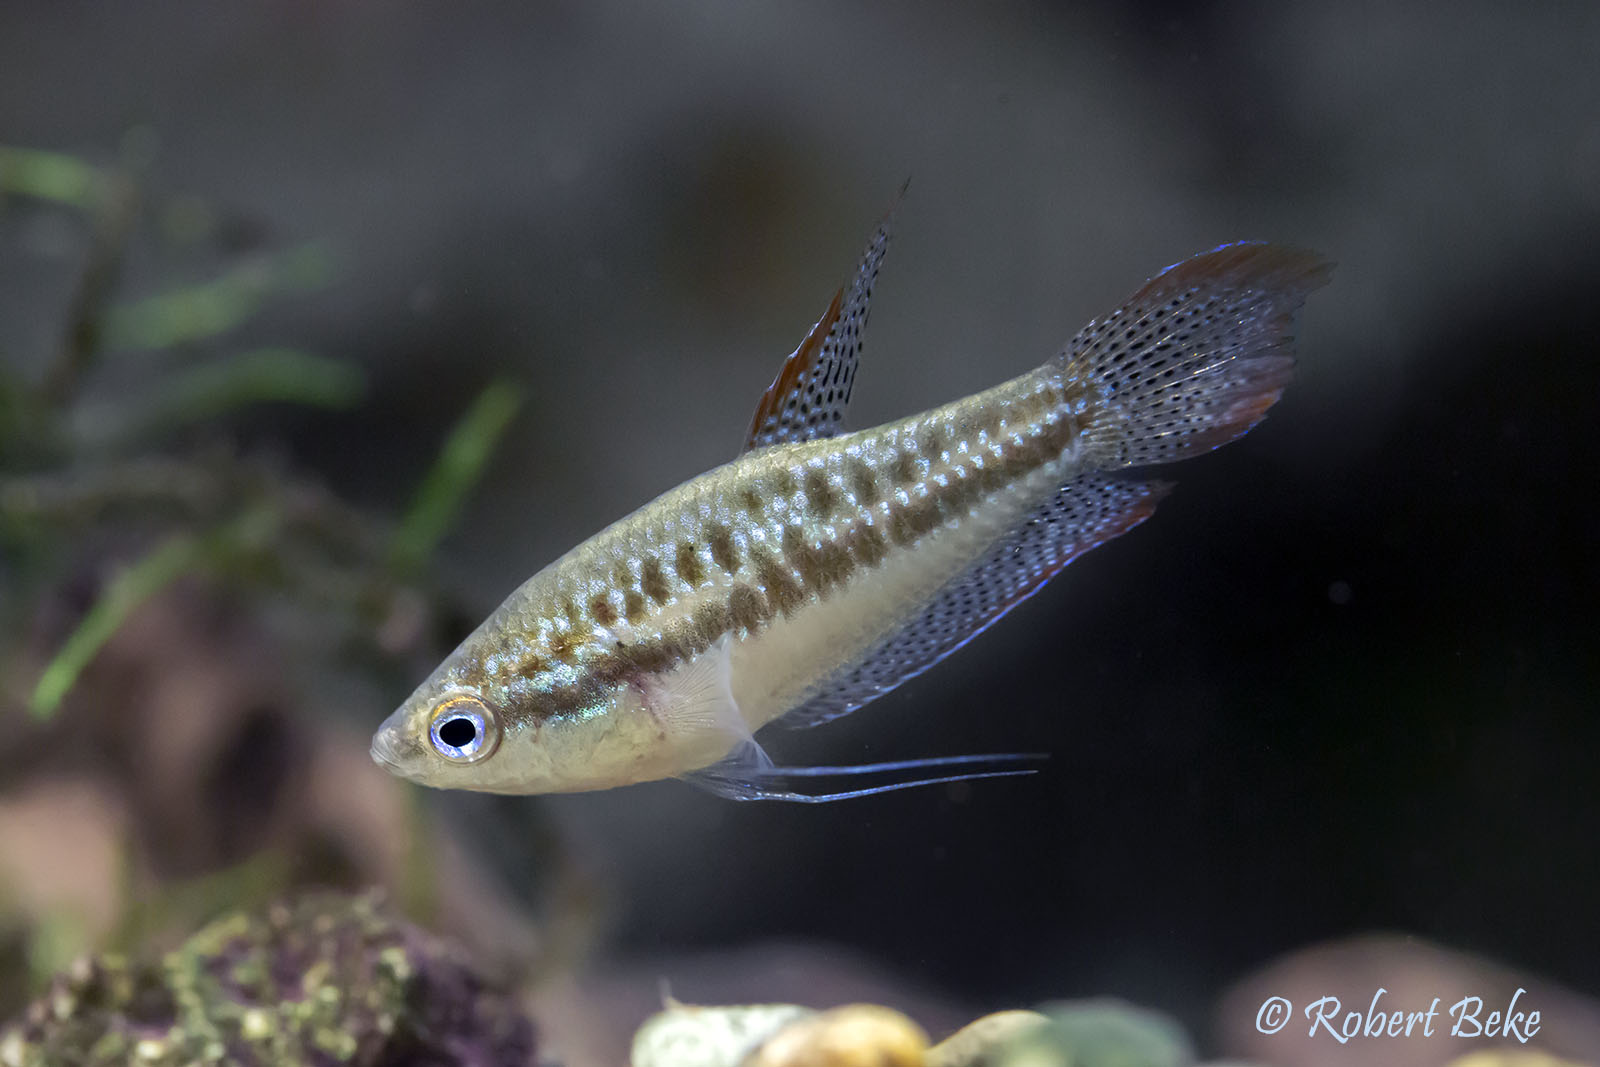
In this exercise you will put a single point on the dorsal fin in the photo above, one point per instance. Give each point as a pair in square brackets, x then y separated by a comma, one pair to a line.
[808, 397]
[777, 418]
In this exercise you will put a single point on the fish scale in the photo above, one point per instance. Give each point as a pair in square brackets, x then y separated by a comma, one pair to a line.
[788, 566]
[819, 570]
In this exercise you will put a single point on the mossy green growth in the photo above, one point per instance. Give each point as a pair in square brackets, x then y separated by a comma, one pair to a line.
[324, 980]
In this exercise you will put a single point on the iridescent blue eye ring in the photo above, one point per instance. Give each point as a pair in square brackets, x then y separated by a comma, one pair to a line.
[464, 729]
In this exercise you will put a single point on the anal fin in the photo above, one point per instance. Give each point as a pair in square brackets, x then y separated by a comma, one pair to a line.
[1088, 511]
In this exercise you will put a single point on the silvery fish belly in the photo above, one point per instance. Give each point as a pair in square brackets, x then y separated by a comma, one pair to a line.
[821, 569]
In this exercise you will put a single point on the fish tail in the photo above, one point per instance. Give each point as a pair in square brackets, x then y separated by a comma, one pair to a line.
[1195, 358]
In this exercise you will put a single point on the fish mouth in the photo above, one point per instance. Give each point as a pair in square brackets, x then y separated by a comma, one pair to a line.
[383, 753]
[394, 746]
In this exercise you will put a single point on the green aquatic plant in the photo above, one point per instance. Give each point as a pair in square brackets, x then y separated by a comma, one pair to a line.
[196, 312]
[53, 176]
[76, 463]
[119, 501]
[124, 593]
[438, 499]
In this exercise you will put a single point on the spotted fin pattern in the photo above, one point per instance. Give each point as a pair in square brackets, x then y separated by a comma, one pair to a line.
[1088, 511]
[809, 396]
[1195, 358]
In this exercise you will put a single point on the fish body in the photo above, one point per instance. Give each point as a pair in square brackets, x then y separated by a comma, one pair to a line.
[818, 570]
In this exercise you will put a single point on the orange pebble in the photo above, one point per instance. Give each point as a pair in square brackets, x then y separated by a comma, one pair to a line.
[857, 1035]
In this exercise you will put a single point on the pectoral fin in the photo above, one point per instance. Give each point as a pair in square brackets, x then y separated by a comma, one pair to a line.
[696, 709]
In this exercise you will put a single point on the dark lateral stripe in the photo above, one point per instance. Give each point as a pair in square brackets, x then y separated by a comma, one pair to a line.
[783, 593]
[751, 501]
[723, 551]
[687, 564]
[779, 586]
[904, 470]
[747, 609]
[821, 497]
[863, 483]
[653, 582]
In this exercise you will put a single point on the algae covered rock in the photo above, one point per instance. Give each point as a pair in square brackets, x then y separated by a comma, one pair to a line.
[324, 980]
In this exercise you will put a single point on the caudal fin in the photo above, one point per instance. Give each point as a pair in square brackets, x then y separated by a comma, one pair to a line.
[1196, 357]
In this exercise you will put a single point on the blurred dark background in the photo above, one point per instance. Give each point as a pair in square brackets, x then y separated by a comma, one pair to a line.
[1345, 681]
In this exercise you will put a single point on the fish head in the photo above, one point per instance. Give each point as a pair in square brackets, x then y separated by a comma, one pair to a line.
[451, 737]
[468, 728]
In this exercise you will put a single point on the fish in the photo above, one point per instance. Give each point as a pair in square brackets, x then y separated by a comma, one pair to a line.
[820, 569]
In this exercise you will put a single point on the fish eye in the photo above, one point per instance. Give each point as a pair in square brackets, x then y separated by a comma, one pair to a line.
[464, 729]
